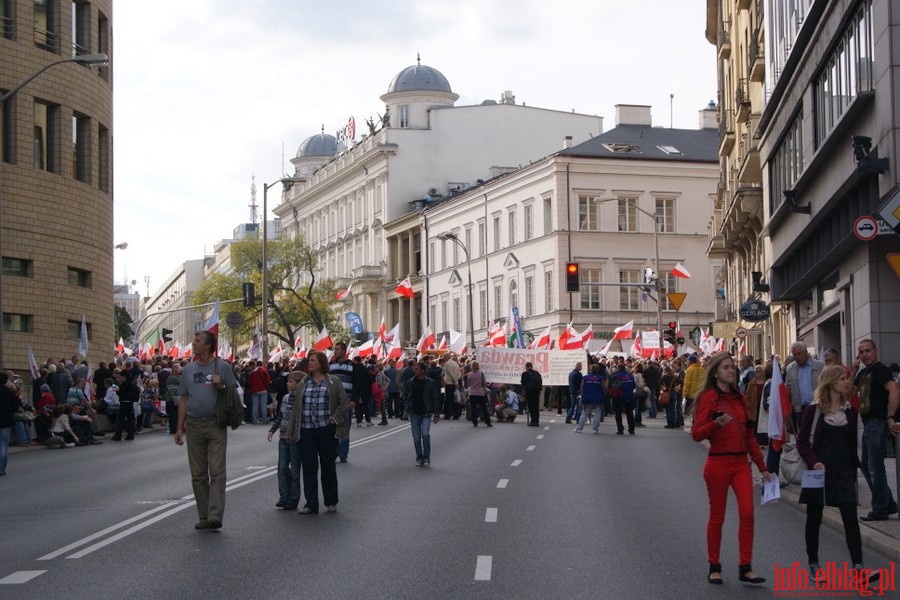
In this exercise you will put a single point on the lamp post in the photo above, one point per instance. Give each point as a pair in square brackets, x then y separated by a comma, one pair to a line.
[656, 256]
[452, 236]
[286, 182]
[83, 59]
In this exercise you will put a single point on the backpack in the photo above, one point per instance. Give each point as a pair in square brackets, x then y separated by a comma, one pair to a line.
[615, 388]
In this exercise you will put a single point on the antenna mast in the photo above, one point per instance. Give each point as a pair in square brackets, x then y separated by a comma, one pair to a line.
[254, 216]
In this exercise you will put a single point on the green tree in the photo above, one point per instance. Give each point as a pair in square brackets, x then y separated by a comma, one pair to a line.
[123, 323]
[297, 298]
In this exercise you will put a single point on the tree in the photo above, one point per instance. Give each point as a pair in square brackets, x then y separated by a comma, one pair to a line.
[123, 323]
[297, 298]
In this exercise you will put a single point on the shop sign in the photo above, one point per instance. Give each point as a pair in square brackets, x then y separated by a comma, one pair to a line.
[755, 311]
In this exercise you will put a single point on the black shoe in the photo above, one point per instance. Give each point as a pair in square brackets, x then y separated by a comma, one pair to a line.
[290, 507]
[279, 504]
[129, 437]
[101, 434]
[874, 517]
[744, 570]
[620, 432]
[94, 442]
[569, 421]
[202, 524]
[343, 459]
[631, 432]
[490, 425]
[215, 524]
[116, 438]
[712, 570]
[383, 423]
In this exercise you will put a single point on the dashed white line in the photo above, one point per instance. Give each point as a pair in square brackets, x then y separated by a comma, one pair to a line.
[490, 515]
[540, 437]
[516, 462]
[503, 483]
[547, 428]
[553, 420]
[483, 568]
[26, 576]
[530, 448]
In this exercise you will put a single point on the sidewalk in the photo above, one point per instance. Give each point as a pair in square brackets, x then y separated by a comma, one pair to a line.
[16, 449]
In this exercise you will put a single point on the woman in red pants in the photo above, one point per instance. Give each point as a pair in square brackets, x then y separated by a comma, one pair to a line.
[722, 418]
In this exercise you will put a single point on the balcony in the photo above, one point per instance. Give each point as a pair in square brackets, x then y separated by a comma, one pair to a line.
[716, 247]
[724, 40]
[757, 58]
[368, 272]
[750, 171]
[742, 101]
[726, 134]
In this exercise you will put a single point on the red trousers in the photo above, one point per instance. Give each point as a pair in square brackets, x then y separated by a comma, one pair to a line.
[720, 473]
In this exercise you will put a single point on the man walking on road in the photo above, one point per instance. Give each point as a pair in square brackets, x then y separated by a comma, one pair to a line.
[206, 439]
[423, 406]
[532, 382]
[353, 377]
[575, 379]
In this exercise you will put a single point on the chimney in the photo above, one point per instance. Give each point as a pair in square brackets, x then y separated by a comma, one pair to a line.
[507, 97]
[567, 142]
[708, 116]
[633, 114]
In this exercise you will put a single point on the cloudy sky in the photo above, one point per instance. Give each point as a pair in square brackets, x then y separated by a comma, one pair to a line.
[209, 93]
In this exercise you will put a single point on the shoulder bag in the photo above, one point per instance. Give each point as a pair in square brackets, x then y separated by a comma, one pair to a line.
[229, 408]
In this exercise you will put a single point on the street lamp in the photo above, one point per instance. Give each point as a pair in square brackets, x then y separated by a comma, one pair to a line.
[287, 182]
[656, 253]
[452, 236]
[82, 59]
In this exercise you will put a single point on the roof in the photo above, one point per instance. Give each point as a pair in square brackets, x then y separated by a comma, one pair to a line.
[320, 144]
[643, 142]
[419, 78]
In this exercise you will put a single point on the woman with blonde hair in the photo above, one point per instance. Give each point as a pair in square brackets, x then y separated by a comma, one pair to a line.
[827, 442]
[721, 417]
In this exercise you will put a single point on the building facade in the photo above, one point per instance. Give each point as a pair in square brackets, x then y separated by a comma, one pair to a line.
[168, 306]
[56, 179]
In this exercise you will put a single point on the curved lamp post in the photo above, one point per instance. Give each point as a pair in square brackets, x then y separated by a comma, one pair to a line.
[452, 236]
[83, 59]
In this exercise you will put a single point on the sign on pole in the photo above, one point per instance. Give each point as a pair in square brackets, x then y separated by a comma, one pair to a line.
[865, 228]
[676, 299]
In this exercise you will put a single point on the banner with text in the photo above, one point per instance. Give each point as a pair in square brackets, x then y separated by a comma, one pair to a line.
[505, 365]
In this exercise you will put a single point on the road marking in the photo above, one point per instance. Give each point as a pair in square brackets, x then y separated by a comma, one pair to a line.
[259, 468]
[540, 437]
[483, 568]
[553, 420]
[378, 436]
[503, 483]
[516, 462]
[530, 448]
[26, 576]
[490, 515]
[547, 428]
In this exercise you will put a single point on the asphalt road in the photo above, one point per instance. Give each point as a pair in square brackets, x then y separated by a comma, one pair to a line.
[507, 512]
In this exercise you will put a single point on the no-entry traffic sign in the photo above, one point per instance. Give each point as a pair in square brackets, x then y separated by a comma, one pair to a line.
[865, 228]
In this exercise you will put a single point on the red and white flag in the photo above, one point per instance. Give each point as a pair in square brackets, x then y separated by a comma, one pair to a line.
[33, 366]
[365, 349]
[323, 342]
[187, 351]
[569, 339]
[212, 323]
[779, 409]
[393, 348]
[276, 353]
[586, 336]
[404, 288]
[426, 341]
[120, 347]
[496, 336]
[543, 340]
[300, 353]
[637, 348]
[457, 342]
[443, 344]
[624, 332]
[382, 330]
[175, 351]
[680, 271]
[345, 293]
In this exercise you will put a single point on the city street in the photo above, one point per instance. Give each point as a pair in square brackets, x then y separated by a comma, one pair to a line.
[507, 512]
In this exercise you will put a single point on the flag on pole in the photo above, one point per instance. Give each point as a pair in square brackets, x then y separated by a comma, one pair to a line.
[779, 408]
[345, 293]
[323, 342]
[393, 348]
[543, 340]
[569, 339]
[637, 349]
[443, 344]
[276, 353]
[212, 323]
[426, 341]
[83, 339]
[404, 288]
[624, 332]
[382, 330]
[366, 349]
[457, 342]
[33, 366]
[680, 271]
[255, 350]
[496, 336]
[586, 336]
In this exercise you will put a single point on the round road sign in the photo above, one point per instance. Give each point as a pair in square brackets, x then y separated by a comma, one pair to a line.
[741, 332]
[865, 228]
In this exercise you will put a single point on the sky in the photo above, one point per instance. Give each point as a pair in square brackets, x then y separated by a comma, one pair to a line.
[209, 93]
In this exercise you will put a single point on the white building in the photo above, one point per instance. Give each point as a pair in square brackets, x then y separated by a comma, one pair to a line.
[171, 299]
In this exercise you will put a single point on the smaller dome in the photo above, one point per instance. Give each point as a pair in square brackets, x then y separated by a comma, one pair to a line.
[320, 144]
[419, 78]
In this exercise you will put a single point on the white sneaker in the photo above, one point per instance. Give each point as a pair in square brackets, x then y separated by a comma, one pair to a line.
[70, 445]
[577, 430]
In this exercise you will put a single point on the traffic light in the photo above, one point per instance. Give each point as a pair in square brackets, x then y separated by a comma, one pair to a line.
[166, 335]
[249, 295]
[573, 277]
[680, 340]
[673, 325]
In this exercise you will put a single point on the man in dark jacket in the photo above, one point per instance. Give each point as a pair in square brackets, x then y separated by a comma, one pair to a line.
[532, 382]
[423, 406]
[652, 377]
[9, 405]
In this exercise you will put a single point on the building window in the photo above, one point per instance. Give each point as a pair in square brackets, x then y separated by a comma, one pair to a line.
[81, 28]
[496, 232]
[403, 116]
[847, 73]
[513, 294]
[667, 284]
[431, 260]
[627, 214]
[457, 317]
[81, 142]
[103, 43]
[588, 214]
[784, 18]
[482, 239]
[455, 250]
[432, 316]
[548, 216]
[444, 254]
[79, 277]
[483, 305]
[529, 221]
[445, 316]
[590, 294]
[17, 322]
[18, 267]
[468, 239]
[511, 217]
[5, 129]
[629, 295]
[45, 133]
[73, 330]
[665, 215]
[548, 290]
[46, 33]
[6, 20]
[529, 296]
[498, 301]
[103, 160]
[786, 163]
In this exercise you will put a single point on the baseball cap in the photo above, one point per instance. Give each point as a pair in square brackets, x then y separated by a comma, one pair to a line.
[45, 387]
[692, 358]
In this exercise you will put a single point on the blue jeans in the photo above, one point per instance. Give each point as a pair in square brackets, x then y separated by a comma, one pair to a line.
[4, 448]
[874, 445]
[343, 444]
[674, 411]
[586, 409]
[289, 472]
[574, 408]
[420, 425]
[260, 399]
[23, 435]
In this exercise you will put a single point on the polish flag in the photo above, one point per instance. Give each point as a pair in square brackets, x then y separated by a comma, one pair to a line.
[586, 336]
[624, 332]
[543, 340]
[443, 344]
[496, 336]
[187, 351]
[212, 323]
[404, 288]
[458, 342]
[276, 353]
[174, 351]
[160, 347]
[345, 293]
[392, 346]
[570, 339]
[680, 271]
[426, 341]
[300, 353]
[605, 349]
[382, 330]
[779, 409]
[637, 349]
[366, 349]
[120, 347]
[323, 342]
[33, 366]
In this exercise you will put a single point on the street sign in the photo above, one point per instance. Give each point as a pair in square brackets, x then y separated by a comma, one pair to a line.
[890, 212]
[234, 319]
[741, 332]
[676, 299]
[894, 261]
[865, 228]
[754, 311]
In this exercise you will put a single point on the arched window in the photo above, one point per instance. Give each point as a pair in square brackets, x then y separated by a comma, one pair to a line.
[513, 294]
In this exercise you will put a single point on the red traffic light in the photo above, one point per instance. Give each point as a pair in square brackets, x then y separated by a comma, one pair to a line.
[573, 279]
[673, 325]
[572, 267]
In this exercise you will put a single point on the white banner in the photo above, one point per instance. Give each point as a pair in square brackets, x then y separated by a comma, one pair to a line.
[650, 339]
[505, 365]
